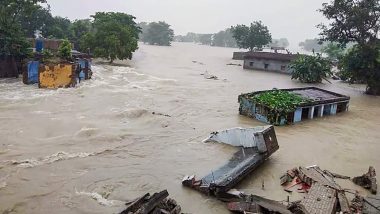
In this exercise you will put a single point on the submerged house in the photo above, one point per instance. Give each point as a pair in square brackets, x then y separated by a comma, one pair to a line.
[317, 103]
[58, 72]
[269, 61]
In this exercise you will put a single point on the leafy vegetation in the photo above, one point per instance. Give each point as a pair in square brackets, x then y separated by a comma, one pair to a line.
[80, 28]
[113, 36]
[310, 69]
[355, 64]
[157, 33]
[279, 103]
[252, 37]
[333, 51]
[313, 45]
[282, 42]
[64, 50]
[356, 21]
[224, 38]
[12, 34]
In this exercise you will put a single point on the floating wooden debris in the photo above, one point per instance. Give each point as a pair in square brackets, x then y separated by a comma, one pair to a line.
[371, 205]
[158, 203]
[368, 180]
[257, 204]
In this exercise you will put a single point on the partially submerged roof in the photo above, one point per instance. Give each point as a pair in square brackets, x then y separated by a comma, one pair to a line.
[270, 56]
[316, 95]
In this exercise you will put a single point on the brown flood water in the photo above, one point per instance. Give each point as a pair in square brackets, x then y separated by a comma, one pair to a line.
[91, 148]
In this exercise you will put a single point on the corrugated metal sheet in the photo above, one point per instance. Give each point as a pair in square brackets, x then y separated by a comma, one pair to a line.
[246, 137]
[30, 75]
[57, 76]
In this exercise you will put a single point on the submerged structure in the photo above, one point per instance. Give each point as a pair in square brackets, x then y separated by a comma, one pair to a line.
[269, 61]
[276, 107]
[254, 145]
[54, 72]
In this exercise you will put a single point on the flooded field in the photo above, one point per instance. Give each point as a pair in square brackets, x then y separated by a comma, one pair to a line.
[138, 127]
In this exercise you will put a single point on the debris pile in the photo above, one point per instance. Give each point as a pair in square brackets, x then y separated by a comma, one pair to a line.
[323, 194]
[368, 180]
[209, 76]
[158, 203]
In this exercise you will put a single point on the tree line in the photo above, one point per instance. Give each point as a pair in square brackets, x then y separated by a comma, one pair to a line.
[156, 33]
[108, 35]
[230, 37]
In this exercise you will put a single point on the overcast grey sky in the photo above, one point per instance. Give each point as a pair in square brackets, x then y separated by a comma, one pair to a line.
[292, 19]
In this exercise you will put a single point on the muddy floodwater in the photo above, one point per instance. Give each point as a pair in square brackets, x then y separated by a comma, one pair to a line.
[137, 127]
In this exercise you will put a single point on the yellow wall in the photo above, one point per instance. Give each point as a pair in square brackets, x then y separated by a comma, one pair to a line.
[57, 76]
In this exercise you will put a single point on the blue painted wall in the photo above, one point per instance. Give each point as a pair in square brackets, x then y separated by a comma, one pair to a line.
[33, 72]
[298, 115]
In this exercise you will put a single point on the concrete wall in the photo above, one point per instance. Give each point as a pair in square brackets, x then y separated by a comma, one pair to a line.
[8, 67]
[57, 76]
[239, 55]
[272, 65]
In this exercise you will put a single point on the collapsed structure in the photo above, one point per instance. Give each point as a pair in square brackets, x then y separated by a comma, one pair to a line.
[315, 102]
[158, 203]
[255, 145]
[322, 194]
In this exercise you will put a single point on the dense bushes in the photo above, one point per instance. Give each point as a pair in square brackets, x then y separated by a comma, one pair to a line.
[310, 69]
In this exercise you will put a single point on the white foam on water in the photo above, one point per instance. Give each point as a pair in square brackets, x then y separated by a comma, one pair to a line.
[100, 199]
[59, 156]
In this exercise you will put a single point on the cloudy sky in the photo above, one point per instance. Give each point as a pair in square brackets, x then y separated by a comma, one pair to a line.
[292, 19]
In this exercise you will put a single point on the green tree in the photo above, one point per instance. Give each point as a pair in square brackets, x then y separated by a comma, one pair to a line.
[205, 39]
[224, 38]
[39, 17]
[58, 28]
[356, 21]
[314, 45]
[333, 50]
[283, 42]
[253, 37]
[12, 35]
[355, 63]
[114, 36]
[64, 50]
[79, 29]
[310, 69]
[158, 33]
[144, 26]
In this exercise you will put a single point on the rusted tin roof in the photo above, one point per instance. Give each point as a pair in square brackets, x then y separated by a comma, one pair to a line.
[270, 56]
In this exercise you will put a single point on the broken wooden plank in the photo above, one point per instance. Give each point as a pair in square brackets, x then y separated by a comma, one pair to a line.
[371, 205]
[153, 201]
[367, 180]
[242, 207]
[257, 204]
[136, 204]
[320, 199]
[270, 205]
[343, 203]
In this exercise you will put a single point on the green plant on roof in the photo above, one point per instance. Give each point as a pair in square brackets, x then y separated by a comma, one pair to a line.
[279, 104]
[64, 50]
